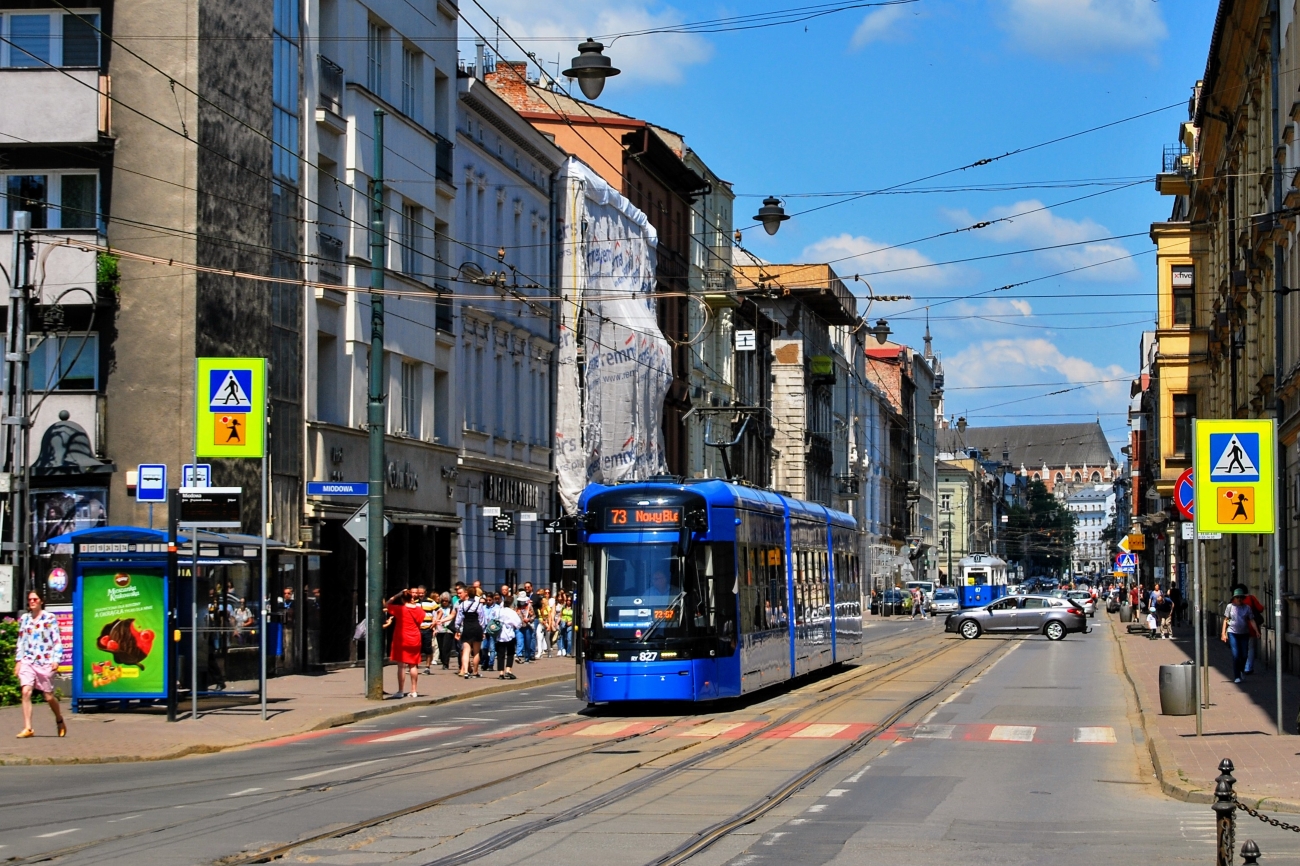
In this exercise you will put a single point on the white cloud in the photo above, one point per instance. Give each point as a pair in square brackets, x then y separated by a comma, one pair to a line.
[878, 24]
[863, 255]
[1054, 28]
[1042, 228]
[1022, 307]
[660, 58]
[1036, 360]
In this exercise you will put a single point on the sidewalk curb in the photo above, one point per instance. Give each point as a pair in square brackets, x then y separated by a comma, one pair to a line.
[1170, 783]
[384, 709]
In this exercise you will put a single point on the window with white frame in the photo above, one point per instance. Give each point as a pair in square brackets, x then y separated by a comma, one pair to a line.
[376, 41]
[55, 199]
[412, 92]
[64, 363]
[411, 257]
[41, 39]
[411, 384]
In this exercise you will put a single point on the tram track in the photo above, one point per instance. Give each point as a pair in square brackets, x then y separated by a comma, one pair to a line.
[850, 685]
[883, 645]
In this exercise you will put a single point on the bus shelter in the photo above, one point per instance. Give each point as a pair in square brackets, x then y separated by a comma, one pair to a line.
[133, 623]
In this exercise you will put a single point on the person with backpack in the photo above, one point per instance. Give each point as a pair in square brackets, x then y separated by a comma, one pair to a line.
[444, 618]
[1164, 607]
[488, 653]
[471, 625]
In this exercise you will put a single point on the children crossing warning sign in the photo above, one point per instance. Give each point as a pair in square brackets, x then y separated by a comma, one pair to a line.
[231, 398]
[1236, 506]
[1237, 457]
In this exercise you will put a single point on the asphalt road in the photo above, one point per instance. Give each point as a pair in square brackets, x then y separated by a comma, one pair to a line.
[1033, 761]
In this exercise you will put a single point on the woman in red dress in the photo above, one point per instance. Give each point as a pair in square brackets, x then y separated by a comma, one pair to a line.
[407, 617]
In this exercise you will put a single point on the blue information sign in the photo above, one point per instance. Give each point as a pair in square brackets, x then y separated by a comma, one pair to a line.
[151, 483]
[338, 488]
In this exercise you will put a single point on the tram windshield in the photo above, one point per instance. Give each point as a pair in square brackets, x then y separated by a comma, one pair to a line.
[645, 591]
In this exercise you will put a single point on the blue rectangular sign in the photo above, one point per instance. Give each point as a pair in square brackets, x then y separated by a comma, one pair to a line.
[151, 483]
[338, 488]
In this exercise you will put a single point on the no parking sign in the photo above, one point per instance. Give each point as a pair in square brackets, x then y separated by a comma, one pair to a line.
[1185, 494]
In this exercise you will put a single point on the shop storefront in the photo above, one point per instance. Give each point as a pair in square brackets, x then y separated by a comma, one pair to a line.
[504, 513]
[419, 497]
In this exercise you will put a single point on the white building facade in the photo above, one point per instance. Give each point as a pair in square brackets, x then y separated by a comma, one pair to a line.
[505, 337]
[1093, 508]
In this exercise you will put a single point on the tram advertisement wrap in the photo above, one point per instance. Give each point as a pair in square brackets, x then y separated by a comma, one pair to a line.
[123, 623]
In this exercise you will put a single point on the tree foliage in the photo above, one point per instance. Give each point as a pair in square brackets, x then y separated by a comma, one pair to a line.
[1041, 532]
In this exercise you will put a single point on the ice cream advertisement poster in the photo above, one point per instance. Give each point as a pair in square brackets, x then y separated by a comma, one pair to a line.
[122, 633]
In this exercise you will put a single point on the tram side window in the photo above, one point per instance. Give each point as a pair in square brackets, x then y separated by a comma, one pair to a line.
[776, 588]
[751, 598]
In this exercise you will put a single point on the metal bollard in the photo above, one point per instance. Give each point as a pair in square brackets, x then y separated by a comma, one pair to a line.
[1225, 812]
[1249, 853]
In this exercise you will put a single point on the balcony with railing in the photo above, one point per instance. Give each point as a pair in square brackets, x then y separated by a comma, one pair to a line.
[442, 166]
[330, 258]
[331, 85]
[442, 315]
[1177, 165]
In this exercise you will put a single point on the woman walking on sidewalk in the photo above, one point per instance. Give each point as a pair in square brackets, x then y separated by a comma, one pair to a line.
[1238, 628]
[471, 622]
[510, 625]
[40, 646]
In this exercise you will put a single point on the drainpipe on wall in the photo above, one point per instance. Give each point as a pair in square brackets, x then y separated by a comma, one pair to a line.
[1279, 538]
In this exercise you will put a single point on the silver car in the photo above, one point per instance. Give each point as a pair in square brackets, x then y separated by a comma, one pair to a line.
[1023, 614]
[944, 600]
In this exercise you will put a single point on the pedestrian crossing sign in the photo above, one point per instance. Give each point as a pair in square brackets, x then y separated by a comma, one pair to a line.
[1237, 456]
[228, 390]
[1234, 457]
[231, 403]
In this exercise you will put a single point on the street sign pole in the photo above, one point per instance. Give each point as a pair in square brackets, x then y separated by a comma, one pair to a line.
[1196, 599]
[1278, 629]
[375, 418]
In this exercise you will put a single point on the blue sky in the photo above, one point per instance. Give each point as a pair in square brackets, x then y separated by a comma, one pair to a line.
[871, 98]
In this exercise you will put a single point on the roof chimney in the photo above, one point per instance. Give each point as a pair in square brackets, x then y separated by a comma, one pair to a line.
[480, 59]
[509, 80]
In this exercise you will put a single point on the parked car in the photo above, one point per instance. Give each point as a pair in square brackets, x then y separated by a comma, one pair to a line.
[944, 600]
[1023, 614]
[1084, 599]
[888, 603]
[927, 588]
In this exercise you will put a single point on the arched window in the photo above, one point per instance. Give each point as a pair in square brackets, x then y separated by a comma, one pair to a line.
[1096, 478]
[1077, 477]
[1059, 478]
[1036, 478]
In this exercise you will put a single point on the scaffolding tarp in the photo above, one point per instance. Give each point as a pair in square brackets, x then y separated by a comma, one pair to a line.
[608, 419]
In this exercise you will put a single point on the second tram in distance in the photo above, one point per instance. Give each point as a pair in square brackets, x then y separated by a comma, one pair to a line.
[703, 590]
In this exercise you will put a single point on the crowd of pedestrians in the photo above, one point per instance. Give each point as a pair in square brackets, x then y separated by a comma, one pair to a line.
[476, 629]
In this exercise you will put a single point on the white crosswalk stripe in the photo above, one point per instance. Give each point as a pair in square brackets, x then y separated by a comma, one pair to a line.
[1012, 734]
[1104, 735]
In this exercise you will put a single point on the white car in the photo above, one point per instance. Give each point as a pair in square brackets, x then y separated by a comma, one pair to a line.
[1081, 597]
[944, 600]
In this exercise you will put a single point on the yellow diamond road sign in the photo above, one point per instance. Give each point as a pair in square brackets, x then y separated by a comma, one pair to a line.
[1237, 460]
[231, 401]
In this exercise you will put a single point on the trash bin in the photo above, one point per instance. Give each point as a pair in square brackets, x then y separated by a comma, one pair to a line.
[1178, 689]
[1126, 613]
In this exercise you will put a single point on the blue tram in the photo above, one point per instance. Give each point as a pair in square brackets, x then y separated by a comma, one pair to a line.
[702, 590]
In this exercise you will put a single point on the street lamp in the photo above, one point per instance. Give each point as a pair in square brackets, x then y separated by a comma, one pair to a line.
[881, 331]
[591, 68]
[771, 214]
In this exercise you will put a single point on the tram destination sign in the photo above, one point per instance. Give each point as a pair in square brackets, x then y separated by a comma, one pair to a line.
[643, 517]
[216, 507]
